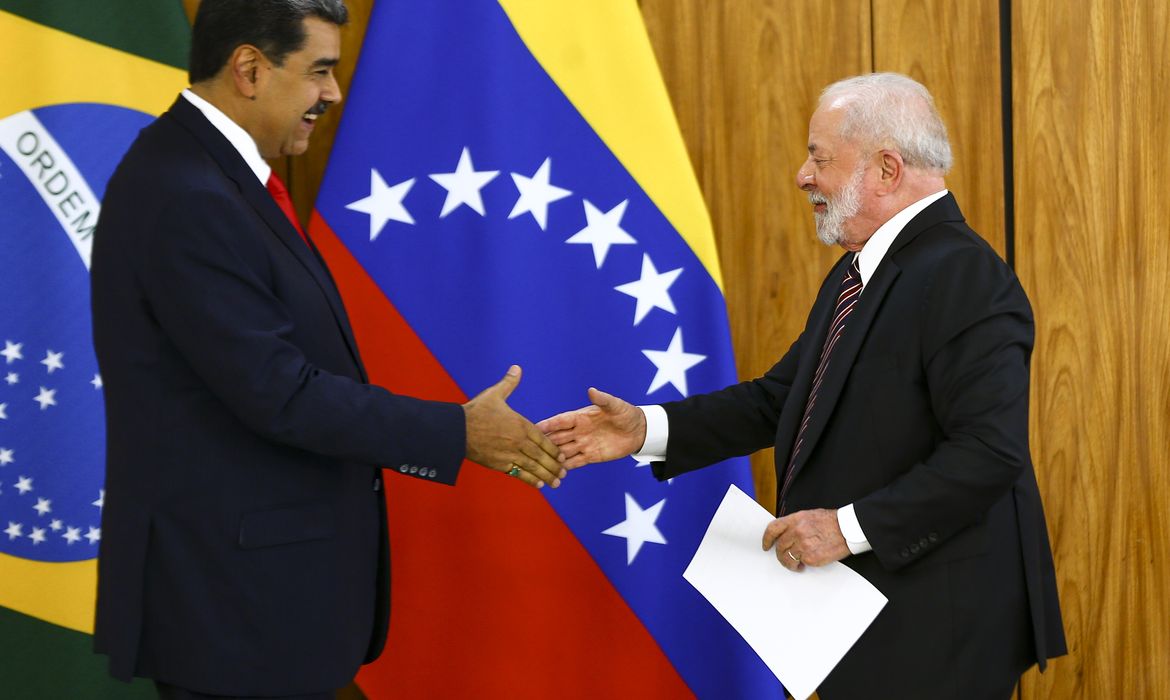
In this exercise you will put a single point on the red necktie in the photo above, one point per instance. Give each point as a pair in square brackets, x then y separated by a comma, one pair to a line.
[847, 297]
[279, 192]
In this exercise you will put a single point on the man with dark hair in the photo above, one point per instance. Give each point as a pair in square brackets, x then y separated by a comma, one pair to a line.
[244, 547]
[899, 416]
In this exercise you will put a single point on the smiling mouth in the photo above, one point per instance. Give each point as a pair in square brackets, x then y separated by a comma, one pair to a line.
[310, 117]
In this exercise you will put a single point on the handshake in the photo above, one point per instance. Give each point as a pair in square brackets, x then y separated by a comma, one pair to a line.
[502, 439]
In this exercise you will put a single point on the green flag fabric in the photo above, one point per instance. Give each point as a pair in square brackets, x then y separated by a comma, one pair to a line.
[83, 78]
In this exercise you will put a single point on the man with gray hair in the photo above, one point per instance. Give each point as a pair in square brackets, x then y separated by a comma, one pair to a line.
[899, 416]
[244, 544]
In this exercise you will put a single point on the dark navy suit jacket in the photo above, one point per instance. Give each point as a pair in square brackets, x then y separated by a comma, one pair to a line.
[922, 423]
[244, 547]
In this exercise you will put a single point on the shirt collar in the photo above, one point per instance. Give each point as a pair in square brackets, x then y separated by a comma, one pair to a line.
[234, 133]
[871, 255]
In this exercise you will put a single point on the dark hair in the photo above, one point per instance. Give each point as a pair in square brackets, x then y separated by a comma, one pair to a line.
[276, 27]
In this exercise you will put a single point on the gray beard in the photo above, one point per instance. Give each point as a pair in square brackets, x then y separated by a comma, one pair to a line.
[838, 209]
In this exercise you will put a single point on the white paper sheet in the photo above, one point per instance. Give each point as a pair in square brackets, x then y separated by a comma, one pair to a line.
[800, 623]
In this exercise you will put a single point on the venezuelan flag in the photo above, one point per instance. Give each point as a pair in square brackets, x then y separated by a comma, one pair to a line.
[509, 185]
[82, 79]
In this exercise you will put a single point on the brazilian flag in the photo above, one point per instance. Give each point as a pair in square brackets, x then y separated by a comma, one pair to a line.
[81, 79]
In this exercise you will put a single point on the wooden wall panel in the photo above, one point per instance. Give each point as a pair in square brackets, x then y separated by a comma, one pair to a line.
[744, 78]
[1091, 99]
[953, 49]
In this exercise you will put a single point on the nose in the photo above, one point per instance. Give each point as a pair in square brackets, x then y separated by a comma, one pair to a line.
[804, 176]
[332, 93]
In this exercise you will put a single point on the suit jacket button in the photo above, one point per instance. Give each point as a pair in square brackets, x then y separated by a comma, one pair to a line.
[933, 537]
[414, 469]
[905, 553]
[404, 468]
[914, 549]
[923, 543]
[377, 483]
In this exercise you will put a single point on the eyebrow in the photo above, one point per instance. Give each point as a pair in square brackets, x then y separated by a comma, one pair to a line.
[325, 63]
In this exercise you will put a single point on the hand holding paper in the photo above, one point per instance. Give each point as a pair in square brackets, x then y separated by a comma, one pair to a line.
[806, 538]
[801, 624]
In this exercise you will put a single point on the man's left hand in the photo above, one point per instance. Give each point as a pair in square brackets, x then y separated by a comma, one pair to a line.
[807, 537]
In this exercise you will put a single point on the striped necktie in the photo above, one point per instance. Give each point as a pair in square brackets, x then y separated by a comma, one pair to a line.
[847, 297]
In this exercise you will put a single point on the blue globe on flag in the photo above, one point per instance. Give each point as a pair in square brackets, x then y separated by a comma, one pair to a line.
[55, 162]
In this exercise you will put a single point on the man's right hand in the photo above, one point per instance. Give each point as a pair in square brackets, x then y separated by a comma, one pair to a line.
[501, 439]
[607, 430]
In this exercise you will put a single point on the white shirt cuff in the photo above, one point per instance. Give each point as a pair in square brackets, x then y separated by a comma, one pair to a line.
[657, 432]
[851, 529]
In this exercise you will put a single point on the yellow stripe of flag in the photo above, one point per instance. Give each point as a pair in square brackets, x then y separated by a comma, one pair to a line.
[599, 54]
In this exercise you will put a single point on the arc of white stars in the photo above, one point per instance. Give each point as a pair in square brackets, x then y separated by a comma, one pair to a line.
[7, 456]
[463, 186]
[101, 500]
[536, 193]
[47, 397]
[43, 507]
[56, 525]
[384, 203]
[72, 534]
[11, 351]
[37, 535]
[3, 411]
[97, 382]
[652, 290]
[52, 361]
[603, 230]
[94, 534]
[24, 485]
[14, 530]
[12, 378]
[638, 528]
[672, 364]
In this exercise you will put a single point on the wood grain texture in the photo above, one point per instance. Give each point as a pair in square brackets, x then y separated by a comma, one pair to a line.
[1090, 103]
[744, 77]
[953, 49]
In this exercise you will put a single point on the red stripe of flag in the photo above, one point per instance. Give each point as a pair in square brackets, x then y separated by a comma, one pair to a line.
[510, 611]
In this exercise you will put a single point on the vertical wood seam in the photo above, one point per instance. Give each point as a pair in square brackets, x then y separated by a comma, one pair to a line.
[1005, 76]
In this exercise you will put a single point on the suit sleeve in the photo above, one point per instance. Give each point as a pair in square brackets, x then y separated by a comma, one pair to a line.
[731, 422]
[209, 289]
[977, 335]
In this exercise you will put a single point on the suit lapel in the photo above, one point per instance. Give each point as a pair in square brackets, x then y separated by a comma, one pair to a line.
[816, 329]
[856, 328]
[257, 196]
[845, 354]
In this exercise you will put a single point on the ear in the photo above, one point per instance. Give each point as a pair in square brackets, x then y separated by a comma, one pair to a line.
[892, 169]
[246, 66]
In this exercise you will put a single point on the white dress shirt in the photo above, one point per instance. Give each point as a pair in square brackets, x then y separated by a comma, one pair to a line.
[234, 133]
[868, 259]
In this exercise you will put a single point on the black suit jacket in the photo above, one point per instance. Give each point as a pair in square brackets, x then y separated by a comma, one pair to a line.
[244, 547]
[922, 423]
